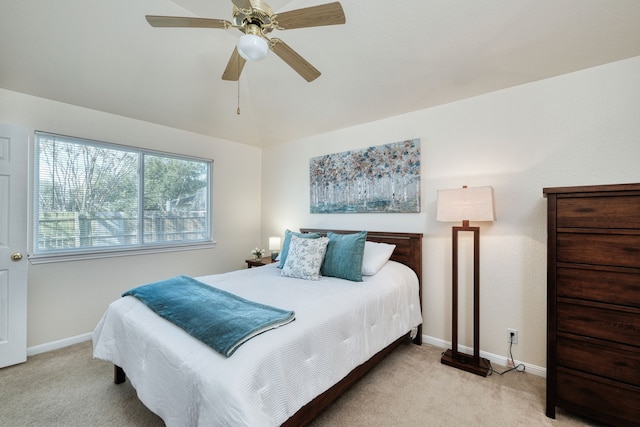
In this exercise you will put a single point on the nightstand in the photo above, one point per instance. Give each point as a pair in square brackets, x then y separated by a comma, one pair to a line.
[259, 262]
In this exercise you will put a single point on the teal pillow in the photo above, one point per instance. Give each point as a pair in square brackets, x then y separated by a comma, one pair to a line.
[287, 241]
[344, 256]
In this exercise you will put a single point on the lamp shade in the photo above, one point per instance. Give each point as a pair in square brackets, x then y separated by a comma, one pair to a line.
[466, 204]
[252, 47]
[274, 243]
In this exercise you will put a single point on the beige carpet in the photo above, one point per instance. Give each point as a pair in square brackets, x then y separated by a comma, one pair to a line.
[68, 387]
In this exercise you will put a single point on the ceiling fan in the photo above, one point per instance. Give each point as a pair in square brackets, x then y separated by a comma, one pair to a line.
[256, 19]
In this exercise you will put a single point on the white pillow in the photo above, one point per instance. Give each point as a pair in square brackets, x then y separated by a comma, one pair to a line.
[305, 257]
[375, 256]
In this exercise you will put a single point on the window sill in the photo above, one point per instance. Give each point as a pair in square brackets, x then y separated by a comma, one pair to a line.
[111, 253]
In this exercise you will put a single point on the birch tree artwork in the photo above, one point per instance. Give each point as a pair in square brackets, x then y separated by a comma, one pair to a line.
[385, 178]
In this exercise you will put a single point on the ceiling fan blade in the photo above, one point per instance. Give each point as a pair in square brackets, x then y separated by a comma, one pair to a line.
[242, 4]
[234, 67]
[179, 21]
[314, 16]
[295, 61]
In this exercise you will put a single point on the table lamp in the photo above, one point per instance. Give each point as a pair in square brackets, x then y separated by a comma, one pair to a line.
[274, 247]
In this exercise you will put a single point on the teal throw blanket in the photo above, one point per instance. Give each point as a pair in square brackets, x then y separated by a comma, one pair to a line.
[220, 319]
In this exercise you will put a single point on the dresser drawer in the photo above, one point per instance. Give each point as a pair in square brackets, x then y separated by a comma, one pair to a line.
[611, 323]
[599, 212]
[608, 401]
[620, 286]
[615, 361]
[621, 250]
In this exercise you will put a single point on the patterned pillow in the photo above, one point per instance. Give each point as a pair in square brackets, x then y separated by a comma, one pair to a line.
[305, 258]
[287, 241]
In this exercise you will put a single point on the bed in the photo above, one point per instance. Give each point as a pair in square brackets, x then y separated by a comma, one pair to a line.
[285, 376]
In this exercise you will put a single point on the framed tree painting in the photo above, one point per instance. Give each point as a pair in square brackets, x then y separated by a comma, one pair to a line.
[385, 178]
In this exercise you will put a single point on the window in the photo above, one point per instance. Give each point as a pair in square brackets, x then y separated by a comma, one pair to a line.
[93, 197]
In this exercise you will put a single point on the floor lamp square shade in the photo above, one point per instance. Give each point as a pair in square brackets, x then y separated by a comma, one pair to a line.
[466, 204]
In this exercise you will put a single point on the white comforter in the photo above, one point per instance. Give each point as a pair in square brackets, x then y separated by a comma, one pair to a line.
[339, 325]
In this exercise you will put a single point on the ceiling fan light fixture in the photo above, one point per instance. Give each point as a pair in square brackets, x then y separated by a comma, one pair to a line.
[252, 47]
[255, 18]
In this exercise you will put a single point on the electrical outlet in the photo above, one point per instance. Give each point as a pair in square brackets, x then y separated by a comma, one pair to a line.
[512, 336]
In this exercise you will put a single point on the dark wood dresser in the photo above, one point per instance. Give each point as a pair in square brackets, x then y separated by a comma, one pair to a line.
[593, 302]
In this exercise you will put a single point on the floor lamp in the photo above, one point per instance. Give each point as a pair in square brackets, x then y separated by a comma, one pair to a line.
[466, 204]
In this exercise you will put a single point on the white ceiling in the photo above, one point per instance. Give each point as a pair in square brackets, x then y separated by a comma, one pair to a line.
[391, 57]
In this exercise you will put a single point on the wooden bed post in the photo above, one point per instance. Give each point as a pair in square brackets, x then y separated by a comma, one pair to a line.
[118, 375]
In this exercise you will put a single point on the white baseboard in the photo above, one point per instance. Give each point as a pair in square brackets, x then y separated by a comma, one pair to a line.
[54, 345]
[493, 358]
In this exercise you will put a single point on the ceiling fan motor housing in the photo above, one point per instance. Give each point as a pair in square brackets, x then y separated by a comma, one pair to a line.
[259, 15]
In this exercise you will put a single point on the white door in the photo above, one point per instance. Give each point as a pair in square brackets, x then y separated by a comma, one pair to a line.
[13, 244]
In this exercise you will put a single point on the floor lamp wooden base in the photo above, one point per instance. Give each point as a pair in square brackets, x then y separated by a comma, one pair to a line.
[466, 363]
[474, 364]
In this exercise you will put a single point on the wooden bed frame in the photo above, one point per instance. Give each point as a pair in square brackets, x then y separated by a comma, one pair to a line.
[408, 251]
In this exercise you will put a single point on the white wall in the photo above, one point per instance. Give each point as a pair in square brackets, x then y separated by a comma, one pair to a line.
[67, 299]
[577, 129]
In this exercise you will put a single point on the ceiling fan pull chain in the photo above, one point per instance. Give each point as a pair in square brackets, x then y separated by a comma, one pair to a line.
[238, 80]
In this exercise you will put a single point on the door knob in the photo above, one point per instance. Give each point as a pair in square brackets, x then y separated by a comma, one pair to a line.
[16, 256]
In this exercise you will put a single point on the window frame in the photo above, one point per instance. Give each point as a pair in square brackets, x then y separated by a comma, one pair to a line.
[72, 254]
